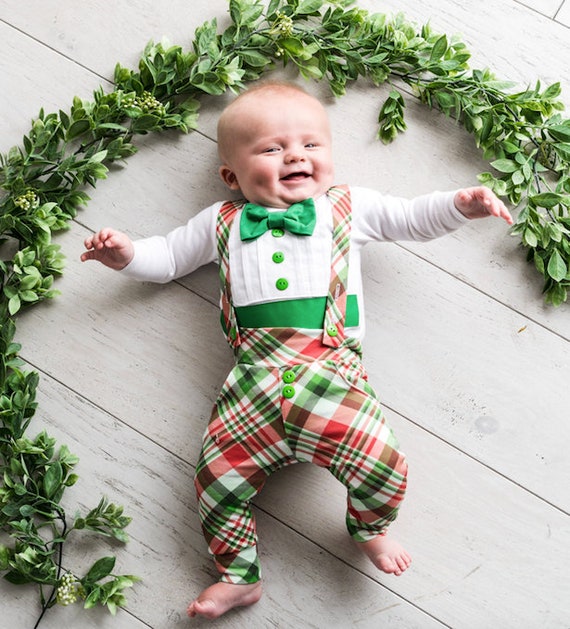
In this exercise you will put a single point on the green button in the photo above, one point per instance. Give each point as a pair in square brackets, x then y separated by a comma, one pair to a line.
[331, 330]
[289, 376]
[288, 391]
[277, 233]
[278, 257]
[282, 284]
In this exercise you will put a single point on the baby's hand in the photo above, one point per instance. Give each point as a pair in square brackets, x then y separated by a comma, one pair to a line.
[480, 202]
[110, 247]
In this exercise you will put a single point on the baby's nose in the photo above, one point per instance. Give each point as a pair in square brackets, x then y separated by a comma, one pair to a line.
[294, 156]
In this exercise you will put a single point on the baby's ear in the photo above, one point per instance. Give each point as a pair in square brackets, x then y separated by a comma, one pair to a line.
[229, 177]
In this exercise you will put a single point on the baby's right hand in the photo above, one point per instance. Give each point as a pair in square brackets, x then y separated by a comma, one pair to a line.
[110, 247]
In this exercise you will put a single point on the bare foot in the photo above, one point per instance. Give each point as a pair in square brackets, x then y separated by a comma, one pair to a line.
[387, 555]
[221, 597]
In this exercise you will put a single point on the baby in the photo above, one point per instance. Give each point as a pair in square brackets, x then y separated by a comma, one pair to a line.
[292, 310]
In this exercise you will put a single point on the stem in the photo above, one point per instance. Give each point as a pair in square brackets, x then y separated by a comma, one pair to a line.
[47, 604]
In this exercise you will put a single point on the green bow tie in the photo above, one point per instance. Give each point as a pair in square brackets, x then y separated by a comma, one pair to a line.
[299, 218]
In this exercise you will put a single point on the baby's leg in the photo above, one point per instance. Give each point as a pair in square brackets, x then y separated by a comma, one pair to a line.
[375, 491]
[348, 434]
[242, 446]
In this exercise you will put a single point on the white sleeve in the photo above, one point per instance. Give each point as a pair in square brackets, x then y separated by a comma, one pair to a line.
[164, 258]
[384, 218]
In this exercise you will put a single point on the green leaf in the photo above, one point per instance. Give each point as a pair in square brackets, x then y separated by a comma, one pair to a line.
[560, 132]
[557, 295]
[254, 58]
[100, 569]
[93, 598]
[546, 199]
[53, 479]
[16, 578]
[292, 45]
[4, 558]
[79, 127]
[28, 296]
[562, 150]
[552, 91]
[557, 268]
[505, 165]
[529, 238]
[517, 177]
[14, 305]
[98, 157]
[439, 49]
[306, 7]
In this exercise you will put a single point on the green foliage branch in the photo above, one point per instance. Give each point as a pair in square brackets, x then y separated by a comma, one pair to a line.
[520, 132]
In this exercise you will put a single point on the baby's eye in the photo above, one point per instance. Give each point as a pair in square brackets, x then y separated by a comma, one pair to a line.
[271, 149]
[311, 145]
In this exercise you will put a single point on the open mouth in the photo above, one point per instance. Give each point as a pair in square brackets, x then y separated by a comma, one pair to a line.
[298, 176]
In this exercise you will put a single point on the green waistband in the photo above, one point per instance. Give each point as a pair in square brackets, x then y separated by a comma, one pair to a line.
[306, 313]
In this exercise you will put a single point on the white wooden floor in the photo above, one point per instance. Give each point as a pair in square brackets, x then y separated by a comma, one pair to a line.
[472, 367]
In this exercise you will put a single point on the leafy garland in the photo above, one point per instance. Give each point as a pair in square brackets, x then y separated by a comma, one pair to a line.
[521, 133]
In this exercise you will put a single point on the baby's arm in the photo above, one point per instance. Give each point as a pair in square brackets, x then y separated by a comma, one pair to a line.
[110, 247]
[480, 202]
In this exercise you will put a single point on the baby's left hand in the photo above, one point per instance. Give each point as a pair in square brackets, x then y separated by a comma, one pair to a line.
[480, 202]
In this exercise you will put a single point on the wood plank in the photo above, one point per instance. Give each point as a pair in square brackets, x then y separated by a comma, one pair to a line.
[152, 355]
[563, 15]
[97, 35]
[33, 77]
[549, 8]
[477, 374]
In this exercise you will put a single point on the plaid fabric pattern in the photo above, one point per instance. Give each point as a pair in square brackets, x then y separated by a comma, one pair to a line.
[290, 399]
[336, 299]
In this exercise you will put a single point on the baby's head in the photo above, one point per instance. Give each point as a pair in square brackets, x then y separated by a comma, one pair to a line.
[274, 142]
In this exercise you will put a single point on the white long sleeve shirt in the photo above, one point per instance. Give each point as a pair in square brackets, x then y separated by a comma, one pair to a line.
[304, 260]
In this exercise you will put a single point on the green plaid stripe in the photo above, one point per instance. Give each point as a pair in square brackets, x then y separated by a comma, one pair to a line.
[332, 419]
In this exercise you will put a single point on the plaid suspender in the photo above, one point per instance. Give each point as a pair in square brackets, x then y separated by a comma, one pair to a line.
[224, 222]
[333, 332]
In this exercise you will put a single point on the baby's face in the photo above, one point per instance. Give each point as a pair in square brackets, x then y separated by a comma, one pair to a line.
[279, 149]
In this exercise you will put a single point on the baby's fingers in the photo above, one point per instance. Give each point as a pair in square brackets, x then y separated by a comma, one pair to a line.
[88, 255]
[88, 242]
[103, 238]
[497, 208]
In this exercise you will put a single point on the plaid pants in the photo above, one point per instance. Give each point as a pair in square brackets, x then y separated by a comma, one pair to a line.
[292, 399]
